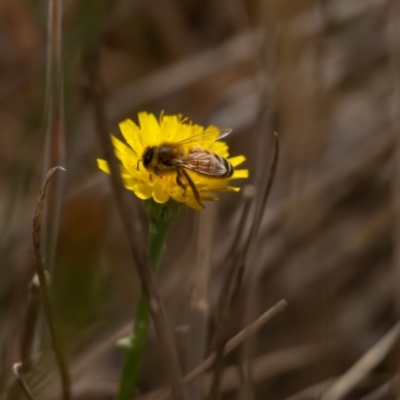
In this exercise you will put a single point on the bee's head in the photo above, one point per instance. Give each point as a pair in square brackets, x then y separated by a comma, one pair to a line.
[147, 157]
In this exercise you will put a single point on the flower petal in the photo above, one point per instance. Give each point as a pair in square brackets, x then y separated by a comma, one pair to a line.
[103, 165]
[220, 148]
[151, 131]
[192, 202]
[235, 161]
[143, 191]
[171, 129]
[131, 133]
[240, 173]
[159, 195]
[123, 152]
[126, 155]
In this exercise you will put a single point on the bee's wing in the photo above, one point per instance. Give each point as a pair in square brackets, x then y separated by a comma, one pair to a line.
[201, 162]
[211, 134]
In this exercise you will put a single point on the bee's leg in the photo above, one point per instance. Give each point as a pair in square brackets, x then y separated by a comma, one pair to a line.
[196, 193]
[179, 182]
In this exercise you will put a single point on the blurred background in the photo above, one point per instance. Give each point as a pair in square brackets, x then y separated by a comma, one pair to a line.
[325, 75]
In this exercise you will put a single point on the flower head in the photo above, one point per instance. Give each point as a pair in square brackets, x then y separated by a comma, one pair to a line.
[168, 158]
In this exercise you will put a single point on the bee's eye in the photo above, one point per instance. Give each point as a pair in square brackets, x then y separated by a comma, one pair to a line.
[148, 156]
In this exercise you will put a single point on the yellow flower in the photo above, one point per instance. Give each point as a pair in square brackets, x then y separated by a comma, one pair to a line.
[170, 130]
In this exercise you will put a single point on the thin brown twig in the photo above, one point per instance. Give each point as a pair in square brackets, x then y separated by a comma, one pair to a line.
[55, 136]
[393, 14]
[235, 279]
[232, 279]
[267, 191]
[252, 239]
[246, 375]
[32, 314]
[41, 272]
[225, 299]
[249, 192]
[239, 267]
[130, 221]
[21, 381]
[199, 304]
[231, 345]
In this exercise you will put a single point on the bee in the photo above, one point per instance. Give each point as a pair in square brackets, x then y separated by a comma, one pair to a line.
[171, 157]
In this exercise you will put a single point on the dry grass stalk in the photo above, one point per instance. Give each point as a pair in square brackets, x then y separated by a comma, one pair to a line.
[43, 279]
[244, 255]
[393, 16]
[235, 277]
[55, 135]
[263, 203]
[31, 319]
[230, 286]
[199, 306]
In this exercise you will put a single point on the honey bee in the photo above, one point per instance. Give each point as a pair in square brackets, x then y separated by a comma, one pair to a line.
[171, 157]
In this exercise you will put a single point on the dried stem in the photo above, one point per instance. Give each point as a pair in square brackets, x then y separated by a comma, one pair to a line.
[32, 313]
[225, 299]
[199, 305]
[234, 279]
[230, 285]
[252, 239]
[263, 203]
[393, 12]
[22, 383]
[41, 272]
[249, 192]
[55, 136]
[231, 345]
[130, 223]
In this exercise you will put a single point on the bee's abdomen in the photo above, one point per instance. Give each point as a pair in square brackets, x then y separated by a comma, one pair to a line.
[226, 164]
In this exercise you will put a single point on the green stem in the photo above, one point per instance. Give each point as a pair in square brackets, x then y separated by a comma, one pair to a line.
[134, 345]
